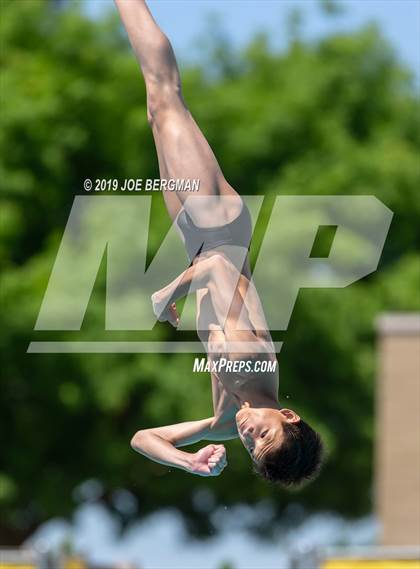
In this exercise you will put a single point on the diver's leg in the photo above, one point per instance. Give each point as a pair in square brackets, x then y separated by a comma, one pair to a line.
[172, 201]
[146, 40]
[180, 144]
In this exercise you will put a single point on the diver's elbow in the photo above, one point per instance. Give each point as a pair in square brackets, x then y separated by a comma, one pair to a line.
[136, 440]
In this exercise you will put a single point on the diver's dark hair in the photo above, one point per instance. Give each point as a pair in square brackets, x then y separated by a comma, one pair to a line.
[297, 460]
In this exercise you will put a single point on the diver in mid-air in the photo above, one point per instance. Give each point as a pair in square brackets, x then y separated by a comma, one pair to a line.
[216, 229]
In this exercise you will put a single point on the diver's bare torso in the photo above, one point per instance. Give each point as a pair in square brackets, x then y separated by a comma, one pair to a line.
[234, 377]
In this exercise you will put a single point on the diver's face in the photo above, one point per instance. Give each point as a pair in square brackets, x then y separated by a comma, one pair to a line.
[261, 429]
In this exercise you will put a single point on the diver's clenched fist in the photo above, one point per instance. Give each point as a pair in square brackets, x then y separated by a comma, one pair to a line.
[209, 461]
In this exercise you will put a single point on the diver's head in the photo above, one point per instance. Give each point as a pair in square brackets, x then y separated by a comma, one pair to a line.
[283, 447]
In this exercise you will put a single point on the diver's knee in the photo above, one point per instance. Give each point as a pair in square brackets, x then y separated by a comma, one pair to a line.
[164, 99]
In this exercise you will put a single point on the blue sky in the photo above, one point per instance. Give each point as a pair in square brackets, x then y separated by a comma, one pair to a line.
[185, 21]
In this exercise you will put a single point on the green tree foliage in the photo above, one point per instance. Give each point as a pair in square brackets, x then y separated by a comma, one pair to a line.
[335, 117]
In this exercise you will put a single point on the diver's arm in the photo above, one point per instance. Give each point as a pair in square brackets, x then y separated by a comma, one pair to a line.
[253, 304]
[220, 277]
[160, 444]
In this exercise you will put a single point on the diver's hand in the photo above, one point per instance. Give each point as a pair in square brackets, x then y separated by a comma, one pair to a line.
[163, 311]
[209, 461]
